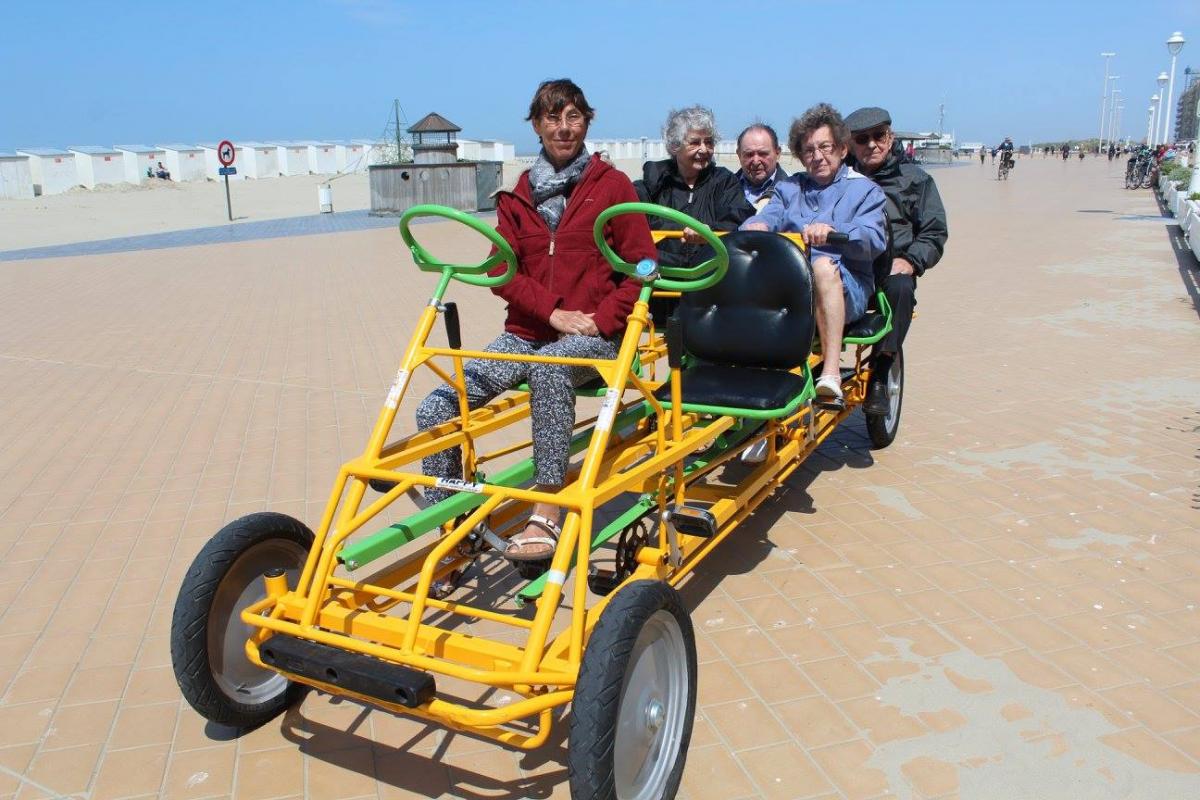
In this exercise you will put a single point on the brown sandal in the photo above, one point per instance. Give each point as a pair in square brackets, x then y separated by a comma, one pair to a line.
[546, 524]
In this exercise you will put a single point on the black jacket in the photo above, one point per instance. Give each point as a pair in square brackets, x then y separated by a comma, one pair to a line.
[716, 200]
[915, 212]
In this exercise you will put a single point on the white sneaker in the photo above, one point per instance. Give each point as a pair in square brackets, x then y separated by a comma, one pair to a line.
[829, 387]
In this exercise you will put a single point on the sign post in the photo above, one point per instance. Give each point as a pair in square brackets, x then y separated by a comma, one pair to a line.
[225, 154]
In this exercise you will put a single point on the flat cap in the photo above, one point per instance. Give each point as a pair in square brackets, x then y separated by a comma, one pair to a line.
[866, 118]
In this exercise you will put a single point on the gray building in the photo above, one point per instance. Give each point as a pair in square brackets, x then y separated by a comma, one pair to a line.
[1189, 105]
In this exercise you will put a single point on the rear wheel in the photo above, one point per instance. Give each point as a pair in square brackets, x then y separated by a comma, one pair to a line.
[208, 637]
[631, 718]
[882, 427]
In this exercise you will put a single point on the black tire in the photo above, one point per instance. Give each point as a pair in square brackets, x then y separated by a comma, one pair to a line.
[207, 637]
[637, 679]
[882, 428]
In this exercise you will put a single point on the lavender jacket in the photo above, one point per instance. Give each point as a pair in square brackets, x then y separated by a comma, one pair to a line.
[851, 204]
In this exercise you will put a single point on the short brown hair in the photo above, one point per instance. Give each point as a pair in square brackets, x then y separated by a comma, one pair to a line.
[553, 96]
[812, 119]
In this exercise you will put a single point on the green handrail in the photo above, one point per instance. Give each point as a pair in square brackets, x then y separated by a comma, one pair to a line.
[473, 274]
[675, 279]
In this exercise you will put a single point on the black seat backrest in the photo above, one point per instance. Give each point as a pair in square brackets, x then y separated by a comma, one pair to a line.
[761, 313]
[882, 265]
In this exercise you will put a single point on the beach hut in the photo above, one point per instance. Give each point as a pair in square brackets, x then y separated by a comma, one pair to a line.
[259, 160]
[16, 182]
[322, 158]
[292, 158]
[97, 165]
[374, 152]
[212, 164]
[349, 156]
[185, 162]
[138, 158]
[53, 170]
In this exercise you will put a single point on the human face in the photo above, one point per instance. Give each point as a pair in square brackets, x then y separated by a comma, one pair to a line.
[871, 147]
[695, 153]
[562, 134]
[821, 155]
[758, 156]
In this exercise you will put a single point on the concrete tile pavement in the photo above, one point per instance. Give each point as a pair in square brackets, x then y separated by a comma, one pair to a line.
[1002, 604]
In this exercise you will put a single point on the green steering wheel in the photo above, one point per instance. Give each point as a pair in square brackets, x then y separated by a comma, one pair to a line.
[476, 274]
[675, 279]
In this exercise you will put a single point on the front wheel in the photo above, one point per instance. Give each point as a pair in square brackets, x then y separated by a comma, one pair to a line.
[208, 637]
[882, 428]
[631, 718]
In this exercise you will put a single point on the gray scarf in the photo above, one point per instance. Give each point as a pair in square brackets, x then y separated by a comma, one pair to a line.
[550, 187]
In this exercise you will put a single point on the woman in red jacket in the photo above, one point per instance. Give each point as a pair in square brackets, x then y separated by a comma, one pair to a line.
[564, 300]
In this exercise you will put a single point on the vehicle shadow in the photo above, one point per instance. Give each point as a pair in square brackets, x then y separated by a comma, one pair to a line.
[427, 760]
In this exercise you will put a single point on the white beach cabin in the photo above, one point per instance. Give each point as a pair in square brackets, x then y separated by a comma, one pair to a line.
[322, 158]
[185, 162]
[16, 181]
[138, 158]
[212, 164]
[259, 160]
[97, 165]
[53, 170]
[349, 156]
[292, 158]
[373, 151]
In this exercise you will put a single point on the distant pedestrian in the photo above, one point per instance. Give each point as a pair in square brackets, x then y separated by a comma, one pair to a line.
[1066, 152]
[982, 154]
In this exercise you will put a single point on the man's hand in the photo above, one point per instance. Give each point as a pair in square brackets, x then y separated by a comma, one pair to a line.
[817, 233]
[902, 267]
[573, 323]
[755, 226]
[691, 237]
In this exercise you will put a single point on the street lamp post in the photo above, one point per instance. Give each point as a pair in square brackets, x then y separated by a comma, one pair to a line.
[1112, 123]
[1162, 84]
[1154, 106]
[1104, 94]
[1174, 45]
[1106, 123]
[1150, 123]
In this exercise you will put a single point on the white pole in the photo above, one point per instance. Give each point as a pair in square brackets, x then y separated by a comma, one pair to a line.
[1174, 45]
[1112, 107]
[1149, 125]
[1104, 94]
[1154, 106]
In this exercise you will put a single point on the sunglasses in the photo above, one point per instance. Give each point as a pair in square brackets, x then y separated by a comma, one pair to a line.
[878, 136]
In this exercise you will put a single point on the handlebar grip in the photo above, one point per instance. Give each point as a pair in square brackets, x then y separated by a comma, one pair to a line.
[837, 238]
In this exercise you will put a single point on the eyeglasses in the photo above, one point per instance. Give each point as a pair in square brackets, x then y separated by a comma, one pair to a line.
[877, 136]
[824, 148]
[573, 119]
[695, 142]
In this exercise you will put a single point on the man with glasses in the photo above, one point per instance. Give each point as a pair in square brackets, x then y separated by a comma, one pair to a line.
[758, 152]
[917, 221]
[829, 198]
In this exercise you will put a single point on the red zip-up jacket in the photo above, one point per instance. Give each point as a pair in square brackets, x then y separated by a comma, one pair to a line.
[565, 269]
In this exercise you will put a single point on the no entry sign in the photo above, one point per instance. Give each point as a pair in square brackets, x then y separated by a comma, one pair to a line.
[225, 153]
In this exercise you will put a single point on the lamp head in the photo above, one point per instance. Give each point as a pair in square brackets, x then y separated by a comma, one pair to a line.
[1175, 43]
[1162, 79]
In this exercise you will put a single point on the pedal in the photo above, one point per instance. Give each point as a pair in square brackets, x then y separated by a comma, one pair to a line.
[692, 521]
[602, 581]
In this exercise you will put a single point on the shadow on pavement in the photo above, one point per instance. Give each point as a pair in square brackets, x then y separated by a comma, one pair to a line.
[1189, 267]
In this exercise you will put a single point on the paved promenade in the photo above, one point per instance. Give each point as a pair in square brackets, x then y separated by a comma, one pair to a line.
[1002, 605]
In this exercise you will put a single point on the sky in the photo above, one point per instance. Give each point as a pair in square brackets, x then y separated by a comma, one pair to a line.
[139, 72]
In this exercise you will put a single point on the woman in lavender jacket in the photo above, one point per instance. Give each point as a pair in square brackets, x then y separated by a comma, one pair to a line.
[830, 198]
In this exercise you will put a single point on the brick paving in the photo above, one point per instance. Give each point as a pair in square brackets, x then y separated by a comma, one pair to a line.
[1000, 605]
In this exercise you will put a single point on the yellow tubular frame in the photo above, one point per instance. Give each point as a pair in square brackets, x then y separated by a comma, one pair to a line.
[350, 615]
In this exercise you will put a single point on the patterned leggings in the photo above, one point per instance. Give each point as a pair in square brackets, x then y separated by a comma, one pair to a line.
[552, 402]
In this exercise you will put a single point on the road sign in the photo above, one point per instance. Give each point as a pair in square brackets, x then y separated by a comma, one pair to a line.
[227, 171]
[225, 153]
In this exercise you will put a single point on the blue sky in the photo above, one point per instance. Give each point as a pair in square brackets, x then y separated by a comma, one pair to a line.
[155, 72]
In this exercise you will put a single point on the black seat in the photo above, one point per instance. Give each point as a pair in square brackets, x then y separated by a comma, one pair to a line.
[749, 331]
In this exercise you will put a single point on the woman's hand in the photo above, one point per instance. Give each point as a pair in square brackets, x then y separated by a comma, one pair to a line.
[817, 233]
[755, 226]
[571, 323]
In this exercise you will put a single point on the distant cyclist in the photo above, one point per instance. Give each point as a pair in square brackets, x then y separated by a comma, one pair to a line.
[1005, 151]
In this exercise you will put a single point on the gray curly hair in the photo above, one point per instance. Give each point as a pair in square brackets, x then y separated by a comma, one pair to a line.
[680, 121]
[812, 119]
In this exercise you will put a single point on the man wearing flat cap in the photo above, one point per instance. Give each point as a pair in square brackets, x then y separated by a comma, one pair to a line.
[917, 221]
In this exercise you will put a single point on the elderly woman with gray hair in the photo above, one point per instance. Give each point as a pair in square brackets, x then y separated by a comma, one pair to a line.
[690, 182]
